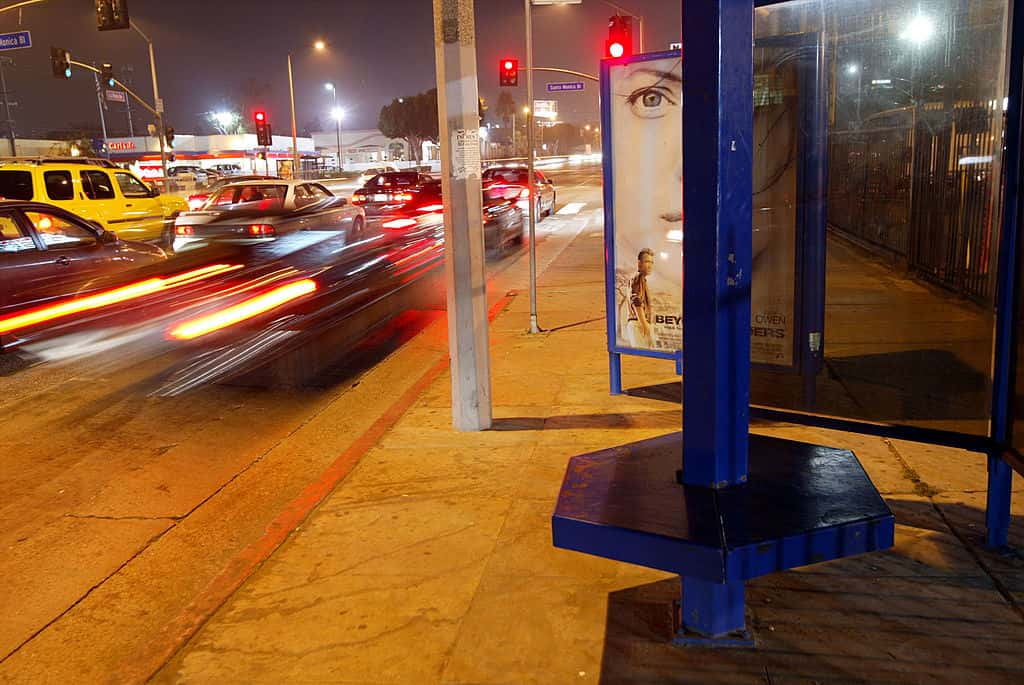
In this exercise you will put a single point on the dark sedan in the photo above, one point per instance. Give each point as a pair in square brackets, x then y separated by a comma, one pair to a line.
[47, 253]
[390, 192]
[502, 217]
[254, 212]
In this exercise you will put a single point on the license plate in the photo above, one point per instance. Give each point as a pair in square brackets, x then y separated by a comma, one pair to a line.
[380, 197]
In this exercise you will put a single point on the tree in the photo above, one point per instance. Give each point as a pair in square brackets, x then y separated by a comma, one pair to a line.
[412, 119]
[505, 108]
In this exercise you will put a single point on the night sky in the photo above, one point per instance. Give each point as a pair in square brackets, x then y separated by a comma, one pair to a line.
[378, 49]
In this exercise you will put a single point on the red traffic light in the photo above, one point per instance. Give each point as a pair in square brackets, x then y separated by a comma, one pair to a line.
[261, 116]
[616, 50]
[620, 37]
[508, 72]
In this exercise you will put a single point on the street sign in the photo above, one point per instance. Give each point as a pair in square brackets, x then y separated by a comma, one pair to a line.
[16, 40]
[563, 87]
[117, 96]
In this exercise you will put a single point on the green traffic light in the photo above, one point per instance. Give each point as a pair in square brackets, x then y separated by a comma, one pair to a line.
[67, 72]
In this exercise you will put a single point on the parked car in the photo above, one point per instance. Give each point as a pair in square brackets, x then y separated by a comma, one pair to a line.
[227, 169]
[365, 177]
[114, 199]
[513, 181]
[47, 253]
[253, 212]
[197, 200]
[389, 192]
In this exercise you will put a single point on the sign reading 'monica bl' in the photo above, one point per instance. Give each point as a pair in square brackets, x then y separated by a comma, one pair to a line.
[16, 40]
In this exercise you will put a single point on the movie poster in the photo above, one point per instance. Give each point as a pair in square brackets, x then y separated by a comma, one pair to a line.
[647, 164]
[646, 129]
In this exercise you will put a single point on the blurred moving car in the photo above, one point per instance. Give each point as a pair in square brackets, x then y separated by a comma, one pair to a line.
[47, 252]
[502, 218]
[253, 212]
[390, 192]
[114, 199]
[197, 200]
[513, 182]
[368, 174]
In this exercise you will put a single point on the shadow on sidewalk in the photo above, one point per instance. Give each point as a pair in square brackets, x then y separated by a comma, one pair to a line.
[667, 419]
[923, 612]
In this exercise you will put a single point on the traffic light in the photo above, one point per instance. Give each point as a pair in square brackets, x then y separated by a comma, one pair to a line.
[620, 37]
[508, 72]
[107, 74]
[60, 61]
[169, 136]
[262, 128]
[261, 154]
[112, 15]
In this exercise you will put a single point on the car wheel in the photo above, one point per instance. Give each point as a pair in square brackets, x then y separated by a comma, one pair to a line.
[358, 226]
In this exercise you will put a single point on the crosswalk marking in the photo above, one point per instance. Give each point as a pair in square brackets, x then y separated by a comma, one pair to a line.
[572, 208]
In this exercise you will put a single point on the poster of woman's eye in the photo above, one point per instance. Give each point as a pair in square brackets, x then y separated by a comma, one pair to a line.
[645, 116]
[646, 128]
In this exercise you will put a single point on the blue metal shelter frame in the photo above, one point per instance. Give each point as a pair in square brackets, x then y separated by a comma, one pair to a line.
[742, 505]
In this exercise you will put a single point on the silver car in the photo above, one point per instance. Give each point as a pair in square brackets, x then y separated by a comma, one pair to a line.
[253, 212]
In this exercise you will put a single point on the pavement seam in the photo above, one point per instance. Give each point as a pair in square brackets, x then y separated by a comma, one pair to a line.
[929, 493]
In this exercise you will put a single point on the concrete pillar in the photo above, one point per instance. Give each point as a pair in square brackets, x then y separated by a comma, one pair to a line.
[457, 104]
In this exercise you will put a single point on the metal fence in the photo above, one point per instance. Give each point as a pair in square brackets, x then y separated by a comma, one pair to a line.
[923, 186]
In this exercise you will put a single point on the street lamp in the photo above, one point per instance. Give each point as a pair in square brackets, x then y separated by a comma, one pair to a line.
[225, 120]
[338, 113]
[919, 30]
[318, 45]
[853, 69]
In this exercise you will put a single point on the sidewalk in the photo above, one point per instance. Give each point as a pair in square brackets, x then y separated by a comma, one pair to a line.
[431, 562]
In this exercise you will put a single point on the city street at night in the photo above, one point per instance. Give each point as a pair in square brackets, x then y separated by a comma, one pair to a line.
[504, 342]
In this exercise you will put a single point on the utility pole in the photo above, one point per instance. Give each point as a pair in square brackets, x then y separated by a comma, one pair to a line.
[127, 72]
[103, 119]
[158, 104]
[465, 277]
[531, 181]
[7, 61]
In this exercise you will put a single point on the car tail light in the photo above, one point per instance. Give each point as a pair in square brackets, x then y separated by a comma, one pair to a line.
[184, 230]
[403, 197]
[261, 229]
[197, 201]
[431, 208]
[358, 199]
[398, 224]
[244, 310]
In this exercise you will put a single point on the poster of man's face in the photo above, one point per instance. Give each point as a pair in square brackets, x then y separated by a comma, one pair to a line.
[647, 178]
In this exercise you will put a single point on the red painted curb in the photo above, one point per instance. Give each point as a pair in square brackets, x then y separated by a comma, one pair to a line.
[174, 635]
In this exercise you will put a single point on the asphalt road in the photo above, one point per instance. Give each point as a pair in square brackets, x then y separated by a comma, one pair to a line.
[117, 503]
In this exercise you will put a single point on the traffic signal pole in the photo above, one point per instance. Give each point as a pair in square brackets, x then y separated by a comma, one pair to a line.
[158, 105]
[531, 181]
[465, 275]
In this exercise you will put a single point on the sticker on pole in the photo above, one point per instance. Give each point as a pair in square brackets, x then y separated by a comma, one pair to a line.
[465, 153]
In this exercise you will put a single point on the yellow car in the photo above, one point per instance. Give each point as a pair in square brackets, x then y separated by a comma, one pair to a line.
[112, 197]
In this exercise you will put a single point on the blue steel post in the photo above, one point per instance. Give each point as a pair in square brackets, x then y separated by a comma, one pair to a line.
[717, 161]
[1000, 475]
[717, 170]
[614, 358]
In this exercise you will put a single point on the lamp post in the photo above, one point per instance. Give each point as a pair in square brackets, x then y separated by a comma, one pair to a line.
[317, 45]
[158, 104]
[337, 113]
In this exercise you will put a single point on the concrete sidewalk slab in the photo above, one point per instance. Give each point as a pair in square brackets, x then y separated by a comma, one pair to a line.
[432, 561]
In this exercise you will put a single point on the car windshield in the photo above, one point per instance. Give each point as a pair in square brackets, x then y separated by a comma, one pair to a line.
[15, 185]
[506, 175]
[271, 195]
